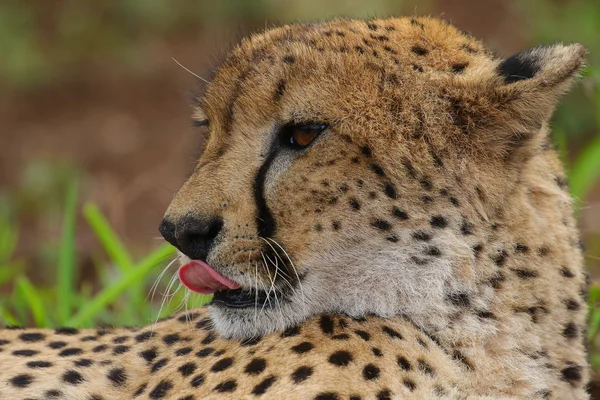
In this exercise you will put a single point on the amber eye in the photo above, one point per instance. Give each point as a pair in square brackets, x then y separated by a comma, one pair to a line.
[298, 136]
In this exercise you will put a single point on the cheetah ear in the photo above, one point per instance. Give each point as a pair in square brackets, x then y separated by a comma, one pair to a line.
[534, 80]
[511, 99]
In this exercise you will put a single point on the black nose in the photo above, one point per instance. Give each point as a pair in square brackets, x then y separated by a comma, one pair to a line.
[193, 236]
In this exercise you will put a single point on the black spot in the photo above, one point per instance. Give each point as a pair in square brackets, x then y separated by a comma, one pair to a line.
[327, 396]
[72, 351]
[149, 355]
[354, 204]
[159, 364]
[187, 369]
[100, 348]
[394, 334]
[571, 331]
[171, 338]
[486, 315]
[366, 151]
[256, 366]
[336, 225]
[466, 228]
[572, 374]
[32, 337]
[54, 394]
[120, 339]
[420, 51]
[227, 386]
[526, 273]
[363, 335]
[72, 377]
[377, 352]
[84, 362]
[381, 224]
[341, 358]
[39, 364]
[543, 251]
[25, 353]
[459, 68]
[425, 184]
[198, 380]
[263, 386]
[420, 235]
[427, 199]
[385, 394]
[117, 376]
[460, 299]
[567, 273]
[293, 331]
[393, 238]
[425, 367]
[211, 337]
[438, 221]
[66, 331]
[303, 347]
[280, 91]
[404, 363]
[121, 349]
[21, 381]
[204, 323]
[377, 169]
[289, 59]
[327, 324]
[572, 305]
[390, 190]
[372, 26]
[454, 201]
[458, 356]
[400, 214]
[519, 67]
[409, 384]
[370, 372]
[142, 337]
[500, 258]
[161, 390]
[205, 352]
[521, 248]
[183, 351]
[341, 336]
[433, 251]
[222, 364]
[140, 390]
[301, 374]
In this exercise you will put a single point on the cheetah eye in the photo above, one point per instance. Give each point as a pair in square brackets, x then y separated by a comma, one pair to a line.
[299, 136]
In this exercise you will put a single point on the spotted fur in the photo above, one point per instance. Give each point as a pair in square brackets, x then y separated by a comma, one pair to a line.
[423, 245]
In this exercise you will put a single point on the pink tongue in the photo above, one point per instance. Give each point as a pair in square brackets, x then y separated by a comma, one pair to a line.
[199, 277]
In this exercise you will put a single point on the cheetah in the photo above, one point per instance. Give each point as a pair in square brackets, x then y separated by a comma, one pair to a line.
[379, 213]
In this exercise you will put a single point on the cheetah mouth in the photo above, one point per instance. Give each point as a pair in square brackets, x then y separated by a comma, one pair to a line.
[199, 277]
[241, 298]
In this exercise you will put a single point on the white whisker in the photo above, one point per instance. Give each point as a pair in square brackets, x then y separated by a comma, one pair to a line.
[194, 74]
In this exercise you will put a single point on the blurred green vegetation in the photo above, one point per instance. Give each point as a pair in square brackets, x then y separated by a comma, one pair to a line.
[45, 43]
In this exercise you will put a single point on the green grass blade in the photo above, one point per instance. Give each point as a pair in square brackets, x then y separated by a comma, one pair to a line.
[586, 170]
[108, 237]
[109, 294]
[34, 301]
[7, 319]
[66, 256]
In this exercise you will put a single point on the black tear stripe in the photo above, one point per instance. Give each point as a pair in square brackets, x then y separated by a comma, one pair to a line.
[264, 219]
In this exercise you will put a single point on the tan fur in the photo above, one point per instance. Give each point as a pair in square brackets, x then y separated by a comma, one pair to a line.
[482, 276]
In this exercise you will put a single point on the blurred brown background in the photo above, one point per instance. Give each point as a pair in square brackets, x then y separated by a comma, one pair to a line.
[89, 89]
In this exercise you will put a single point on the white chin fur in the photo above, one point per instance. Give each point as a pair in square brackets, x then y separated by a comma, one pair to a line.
[386, 283]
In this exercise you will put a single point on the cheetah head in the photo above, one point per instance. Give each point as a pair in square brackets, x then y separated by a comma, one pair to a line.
[358, 167]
